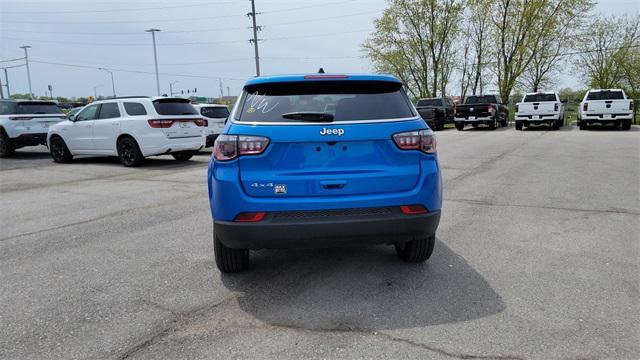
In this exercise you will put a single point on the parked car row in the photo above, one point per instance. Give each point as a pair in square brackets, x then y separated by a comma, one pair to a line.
[599, 106]
[130, 128]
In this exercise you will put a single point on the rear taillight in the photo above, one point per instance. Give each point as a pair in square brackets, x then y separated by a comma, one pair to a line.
[250, 217]
[423, 140]
[517, 107]
[489, 108]
[631, 105]
[205, 122]
[413, 209]
[556, 106]
[228, 147]
[167, 123]
[585, 106]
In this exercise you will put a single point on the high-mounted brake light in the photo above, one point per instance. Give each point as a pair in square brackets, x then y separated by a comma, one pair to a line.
[413, 209]
[229, 147]
[585, 106]
[326, 76]
[250, 217]
[423, 140]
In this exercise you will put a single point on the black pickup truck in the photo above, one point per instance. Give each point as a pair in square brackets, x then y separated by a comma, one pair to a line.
[481, 110]
[436, 112]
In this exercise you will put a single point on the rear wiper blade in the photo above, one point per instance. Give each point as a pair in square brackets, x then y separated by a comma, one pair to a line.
[309, 116]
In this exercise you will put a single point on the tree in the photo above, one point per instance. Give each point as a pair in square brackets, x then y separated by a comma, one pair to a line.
[609, 54]
[523, 29]
[414, 41]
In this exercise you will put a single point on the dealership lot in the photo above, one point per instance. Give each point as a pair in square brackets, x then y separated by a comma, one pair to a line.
[537, 257]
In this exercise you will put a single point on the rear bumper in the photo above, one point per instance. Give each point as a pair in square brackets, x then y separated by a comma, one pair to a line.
[29, 139]
[537, 119]
[174, 145]
[605, 119]
[319, 231]
[486, 120]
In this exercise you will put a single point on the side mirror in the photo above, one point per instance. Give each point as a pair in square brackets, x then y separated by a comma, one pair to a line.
[72, 117]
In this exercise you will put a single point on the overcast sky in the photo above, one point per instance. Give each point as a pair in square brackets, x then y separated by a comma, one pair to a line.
[205, 40]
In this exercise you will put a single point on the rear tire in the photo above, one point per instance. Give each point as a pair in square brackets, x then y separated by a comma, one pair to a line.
[626, 125]
[493, 125]
[129, 153]
[59, 151]
[230, 260]
[6, 147]
[460, 126]
[583, 125]
[518, 125]
[418, 250]
[557, 124]
[183, 155]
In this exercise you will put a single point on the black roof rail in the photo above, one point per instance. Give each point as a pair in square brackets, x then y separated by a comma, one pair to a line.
[129, 97]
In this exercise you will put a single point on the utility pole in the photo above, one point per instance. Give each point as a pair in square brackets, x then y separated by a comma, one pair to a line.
[6, 79]
[221, 91]
[171, 87]
[26, 59]
[113, 85]
[1, 91]
[155, 56]
[228, 91]
[255, 39]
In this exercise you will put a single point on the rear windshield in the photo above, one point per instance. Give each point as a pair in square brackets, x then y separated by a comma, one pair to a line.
[539, 97]
[38, 108]
[484, 99]
[342, 100]
[214, 112]
[429, 102]
[605, 95]
[174, 107]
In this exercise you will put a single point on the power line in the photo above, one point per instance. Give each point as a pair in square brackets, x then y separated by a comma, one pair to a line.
[11, 60]
[117, 10]
[134, 71]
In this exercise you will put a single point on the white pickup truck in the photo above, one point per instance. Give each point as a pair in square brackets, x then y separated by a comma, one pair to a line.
[606, 107]
[540, 108]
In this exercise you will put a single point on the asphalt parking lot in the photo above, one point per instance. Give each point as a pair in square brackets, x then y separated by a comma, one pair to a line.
[536, 258]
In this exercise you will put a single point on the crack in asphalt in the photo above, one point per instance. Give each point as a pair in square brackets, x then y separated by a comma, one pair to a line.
[546, 207]
[102, 217]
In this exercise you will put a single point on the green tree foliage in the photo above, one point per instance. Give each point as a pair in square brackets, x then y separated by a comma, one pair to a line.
[611, 57]
[414, 40]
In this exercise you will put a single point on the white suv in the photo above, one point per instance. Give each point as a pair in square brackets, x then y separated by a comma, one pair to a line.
[131, 128]
[214, 115]
[25, 123]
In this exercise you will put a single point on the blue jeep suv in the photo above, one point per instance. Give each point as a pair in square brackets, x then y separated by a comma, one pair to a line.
[323, 160]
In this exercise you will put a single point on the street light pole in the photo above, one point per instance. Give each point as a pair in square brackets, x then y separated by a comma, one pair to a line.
[171, 87]
[155, 56]
[113, 86]
[6, 79]
[26, 58]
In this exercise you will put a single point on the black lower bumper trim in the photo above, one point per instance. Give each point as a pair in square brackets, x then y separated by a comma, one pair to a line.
[210, 140]
[30, 139]
[274, 232]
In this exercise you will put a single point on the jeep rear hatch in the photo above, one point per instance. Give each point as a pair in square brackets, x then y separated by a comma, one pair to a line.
[326, 138]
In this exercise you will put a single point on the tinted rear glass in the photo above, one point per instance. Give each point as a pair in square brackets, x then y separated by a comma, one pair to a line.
[109, 111]
[134, 108]
[214, 112]
[429, 102]
[540, 97]
[38, 108]
[345, 100]
[605, 95]
[485, 99]
[174, 107]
